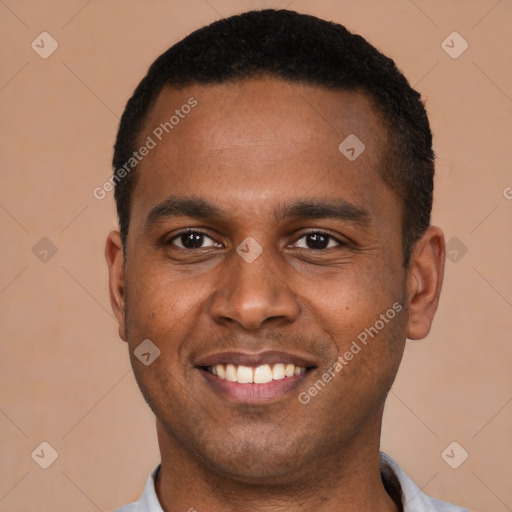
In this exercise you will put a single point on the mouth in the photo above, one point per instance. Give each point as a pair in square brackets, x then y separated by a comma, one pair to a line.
[255, 378]
[255, 375]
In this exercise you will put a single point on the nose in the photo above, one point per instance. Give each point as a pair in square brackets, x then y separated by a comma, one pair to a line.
[253, 295]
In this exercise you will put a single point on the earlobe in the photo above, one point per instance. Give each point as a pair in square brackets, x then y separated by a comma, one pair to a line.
[115, 262]
[424, 282]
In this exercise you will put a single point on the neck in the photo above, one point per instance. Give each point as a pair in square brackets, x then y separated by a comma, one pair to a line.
[349, 480]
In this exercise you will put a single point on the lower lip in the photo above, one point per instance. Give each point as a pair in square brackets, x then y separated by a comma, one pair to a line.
[253, 393]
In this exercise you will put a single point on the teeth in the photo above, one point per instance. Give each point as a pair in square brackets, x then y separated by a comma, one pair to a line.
[278, 372]
[221, 371]
[289, 370]
[262, 374]
[244, 374]
[231, 372]
[258, 375]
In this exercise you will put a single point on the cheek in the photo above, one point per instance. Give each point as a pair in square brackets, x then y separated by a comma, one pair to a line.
[347, 302]
[167, 309]
[164, 310]
[363, 314]
[160, 302]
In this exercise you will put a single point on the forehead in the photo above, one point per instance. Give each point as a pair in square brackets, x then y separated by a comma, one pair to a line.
[261, 140]
[226, 114]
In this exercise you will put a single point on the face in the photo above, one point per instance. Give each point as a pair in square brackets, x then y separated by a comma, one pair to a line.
[257, 255]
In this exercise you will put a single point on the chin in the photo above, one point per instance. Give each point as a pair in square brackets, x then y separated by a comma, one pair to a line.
[257, 467]
[264, 457]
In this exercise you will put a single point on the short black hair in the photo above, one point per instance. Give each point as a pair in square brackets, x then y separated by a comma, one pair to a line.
[302, 49]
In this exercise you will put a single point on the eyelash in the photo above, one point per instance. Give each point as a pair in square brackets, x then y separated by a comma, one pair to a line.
[340, 243]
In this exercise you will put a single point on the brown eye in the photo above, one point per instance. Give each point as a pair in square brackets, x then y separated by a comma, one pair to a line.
[193, 240]
[317, 241]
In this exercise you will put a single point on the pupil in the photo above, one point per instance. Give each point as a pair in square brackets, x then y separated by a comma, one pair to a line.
[192, 240]
[317, 241]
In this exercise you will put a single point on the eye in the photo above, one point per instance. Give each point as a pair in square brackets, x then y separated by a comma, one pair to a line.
[318, 240]
[193, 240]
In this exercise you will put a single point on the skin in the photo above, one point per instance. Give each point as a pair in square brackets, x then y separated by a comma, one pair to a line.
[249, 148]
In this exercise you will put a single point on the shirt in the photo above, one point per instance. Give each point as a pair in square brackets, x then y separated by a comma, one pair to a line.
[413, 499]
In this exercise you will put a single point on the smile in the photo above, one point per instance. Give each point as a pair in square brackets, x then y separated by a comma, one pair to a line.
[257, 374]
[254, 378]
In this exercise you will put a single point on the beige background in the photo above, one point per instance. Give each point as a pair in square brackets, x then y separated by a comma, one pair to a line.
[64, 374]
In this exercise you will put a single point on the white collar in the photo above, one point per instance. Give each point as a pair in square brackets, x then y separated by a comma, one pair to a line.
[414, 500]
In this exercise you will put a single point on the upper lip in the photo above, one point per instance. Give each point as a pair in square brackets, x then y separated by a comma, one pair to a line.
[255, 359]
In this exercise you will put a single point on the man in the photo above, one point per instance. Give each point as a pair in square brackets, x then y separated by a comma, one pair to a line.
[273, 180]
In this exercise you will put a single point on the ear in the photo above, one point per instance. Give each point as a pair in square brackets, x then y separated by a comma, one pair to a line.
[424, 281]
[114, 257]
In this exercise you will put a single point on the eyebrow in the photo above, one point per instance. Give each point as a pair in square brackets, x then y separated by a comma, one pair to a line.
[182, 207]
[336, 209]
[197, 208]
